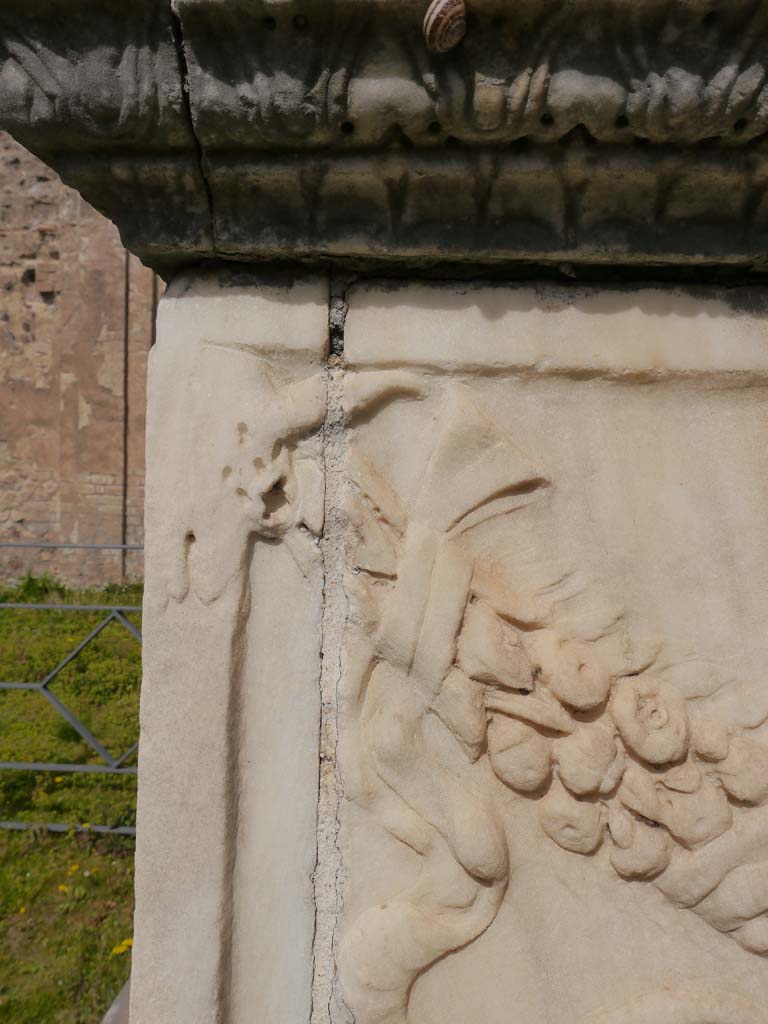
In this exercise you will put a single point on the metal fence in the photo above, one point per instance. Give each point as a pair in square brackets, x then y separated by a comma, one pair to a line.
[110, 765]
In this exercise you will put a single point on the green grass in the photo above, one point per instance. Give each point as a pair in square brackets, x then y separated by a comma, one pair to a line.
[66, 901]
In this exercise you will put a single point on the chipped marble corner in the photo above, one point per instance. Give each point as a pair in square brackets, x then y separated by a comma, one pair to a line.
[460, 709]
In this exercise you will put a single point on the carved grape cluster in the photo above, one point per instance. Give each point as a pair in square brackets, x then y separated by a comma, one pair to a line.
[610, 759]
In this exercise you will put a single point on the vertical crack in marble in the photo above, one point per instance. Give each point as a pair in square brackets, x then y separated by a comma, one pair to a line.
[177, 32]
[328, 866]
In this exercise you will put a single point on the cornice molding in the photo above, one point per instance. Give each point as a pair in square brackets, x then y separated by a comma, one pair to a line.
[601, 131]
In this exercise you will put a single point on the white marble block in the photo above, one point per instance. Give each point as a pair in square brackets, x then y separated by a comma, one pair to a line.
[455, 696]
[231, 699]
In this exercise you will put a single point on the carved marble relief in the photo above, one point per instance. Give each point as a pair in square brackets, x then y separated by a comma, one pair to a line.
[260, 475]
[455, 648]
[506, 710]
[231, 696]
[668, 72]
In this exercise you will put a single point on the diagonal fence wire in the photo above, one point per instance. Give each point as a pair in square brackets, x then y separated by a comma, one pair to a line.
[112, 765]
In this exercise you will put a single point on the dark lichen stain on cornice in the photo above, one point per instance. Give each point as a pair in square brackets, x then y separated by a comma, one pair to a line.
[588, 134]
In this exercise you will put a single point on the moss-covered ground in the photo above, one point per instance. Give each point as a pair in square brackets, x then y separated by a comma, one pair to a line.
[66, 900]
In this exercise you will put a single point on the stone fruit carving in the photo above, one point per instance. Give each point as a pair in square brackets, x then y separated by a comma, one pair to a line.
[409, 691]
[630, 769]
[456, 701]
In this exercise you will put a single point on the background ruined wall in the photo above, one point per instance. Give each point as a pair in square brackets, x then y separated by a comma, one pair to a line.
[76, 324]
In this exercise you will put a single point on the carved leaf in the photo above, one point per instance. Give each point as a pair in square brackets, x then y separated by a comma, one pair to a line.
[530, 709]
[460, 706]
[473, 463]
[491, 652]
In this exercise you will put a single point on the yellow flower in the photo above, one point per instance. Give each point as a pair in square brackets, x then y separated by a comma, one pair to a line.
[59, 778]
[122, 947]
[22, 910]
[63, 888]
[73, 868]
[128, 943]
[86, 825]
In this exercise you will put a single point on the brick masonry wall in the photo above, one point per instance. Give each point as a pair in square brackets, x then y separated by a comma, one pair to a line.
[76, 324]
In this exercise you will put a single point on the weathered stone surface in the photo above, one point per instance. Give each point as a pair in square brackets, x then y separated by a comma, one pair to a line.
[587, 132]
[96, 90]
[454, 705]
[230, 713]
[576, 477]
